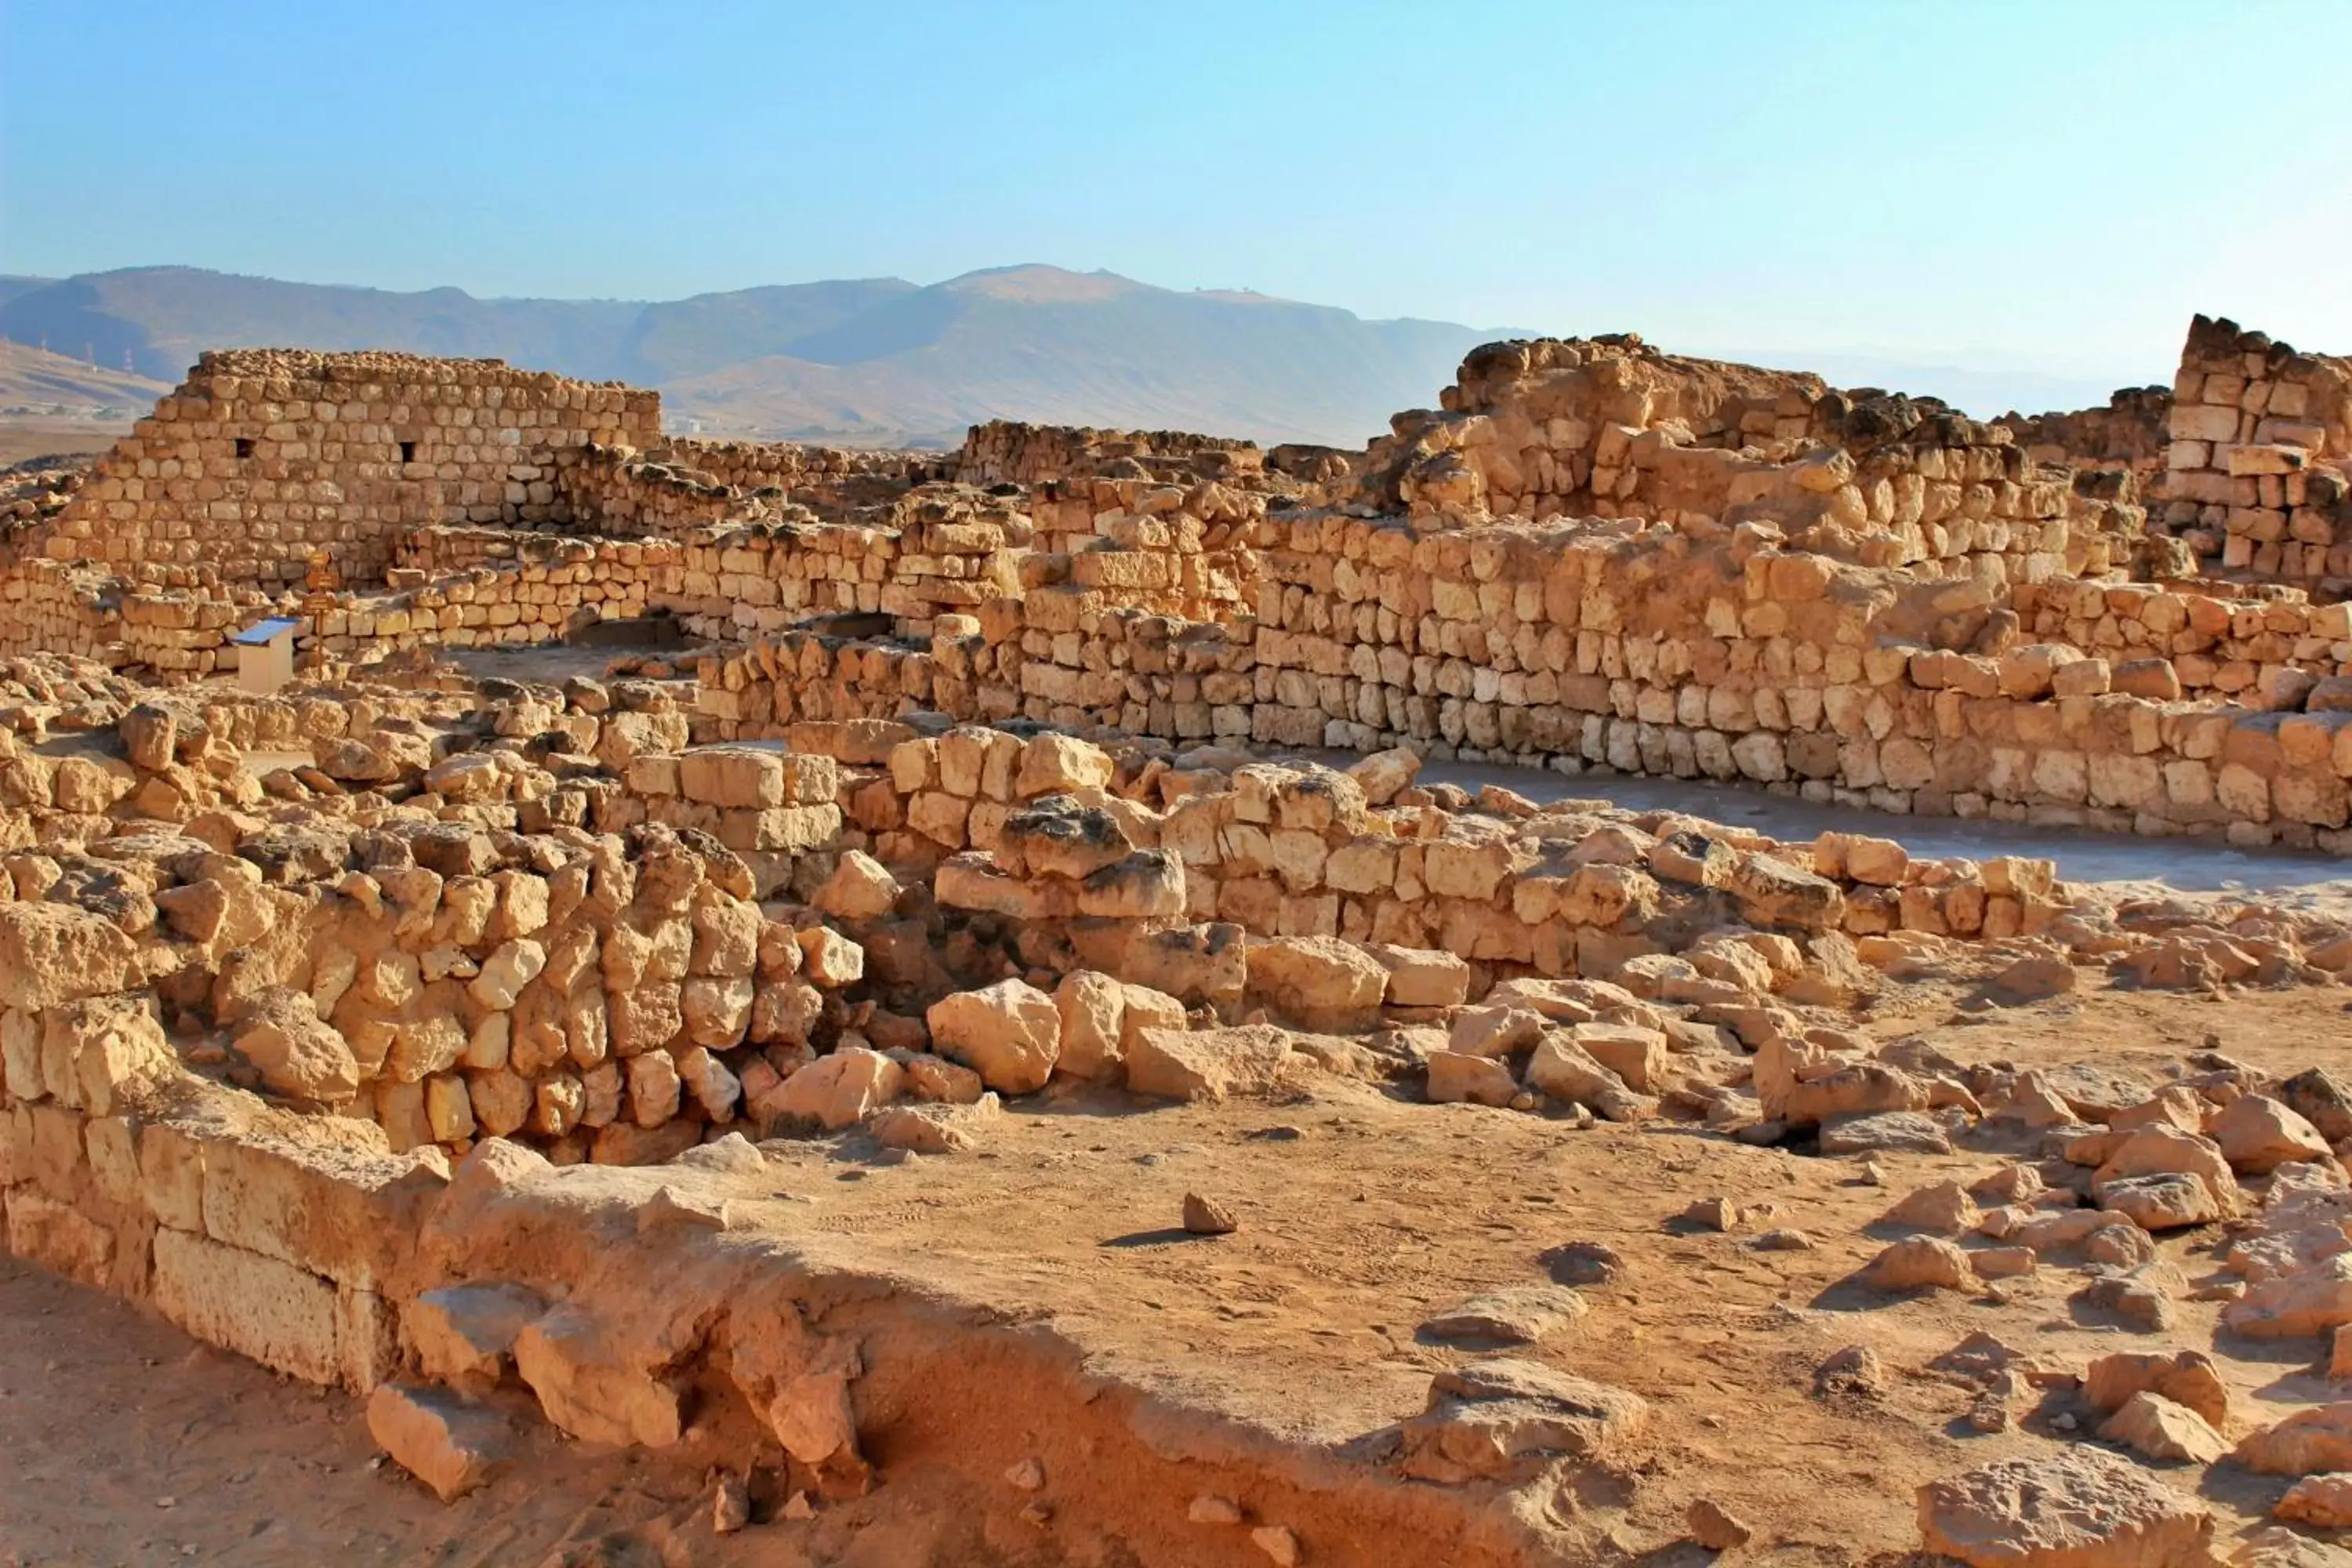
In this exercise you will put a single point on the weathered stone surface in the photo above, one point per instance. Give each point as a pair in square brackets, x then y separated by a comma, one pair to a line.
[1421, 977]
[2275, 1546]
[2313, 1300]
[1940, 1208]
[837, 1090]
[450, 1446]
[1209, 1064]
[1009, 1033]
[2323, 1502]
[1206, 1216]
[593, 1387]
[1455, 1078]
[60, 1238]
[1568, 1073]
[1919, 1263]
[1904, 1131]
[1517, 1315]
[935, 1129]
[2187, 1378]
[2257, 1134]
[2080, 1508]
[1058, 764]
[2163, 1201]
[2310, 1442]
[299, 1053]
[1319, 981]
[54, 953]
[860, 889]
[1509, 1420]
[464, 1335]
[276, 1314]
[2151, 1424]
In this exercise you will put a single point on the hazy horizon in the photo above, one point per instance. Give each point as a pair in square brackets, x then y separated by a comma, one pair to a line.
[1987, 187]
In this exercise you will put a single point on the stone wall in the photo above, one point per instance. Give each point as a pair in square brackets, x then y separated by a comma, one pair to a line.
[265, 459]
[1612, 428]
[832, 481]
[2132, 432]
[1005, 452]
[1863, 599]
[2256, 479]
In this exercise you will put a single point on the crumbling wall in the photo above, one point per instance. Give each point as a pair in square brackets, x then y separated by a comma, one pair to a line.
[1007, 452]
[832, 481]
[1612, 428]
[2131, 432]
[2256, 479]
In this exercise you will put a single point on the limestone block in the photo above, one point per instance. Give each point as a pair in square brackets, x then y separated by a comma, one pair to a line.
[1093, 1009]
[1421, 977]
[1318, 979]
[837, 1090]
[1010, 1032]
[262, 1307]
[1208, 1064]
[326, 1209]
[1455, 1077]
[594, 1386]
[860, 889]
[102, 1053]
[172, 1175]
[464, 1335]
[452, 1447]
[59, 1237]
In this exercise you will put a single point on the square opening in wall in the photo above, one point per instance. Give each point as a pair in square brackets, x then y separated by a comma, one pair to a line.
[245, 445]
[408, 451]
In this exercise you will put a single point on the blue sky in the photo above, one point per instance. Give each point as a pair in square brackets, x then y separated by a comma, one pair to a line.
[2024, 182]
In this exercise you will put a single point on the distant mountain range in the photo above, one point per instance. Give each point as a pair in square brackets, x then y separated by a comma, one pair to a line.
[880, 360]
[877, 360]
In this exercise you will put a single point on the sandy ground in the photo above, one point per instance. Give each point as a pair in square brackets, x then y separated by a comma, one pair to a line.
[23, 438]
[123, 1441]
[1361, 1214]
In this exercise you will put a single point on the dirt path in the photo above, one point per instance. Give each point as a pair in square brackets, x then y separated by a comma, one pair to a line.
[123, 1441]
[2188, 865]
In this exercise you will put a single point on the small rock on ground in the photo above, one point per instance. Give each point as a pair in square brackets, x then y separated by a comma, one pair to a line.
[1206, 1216]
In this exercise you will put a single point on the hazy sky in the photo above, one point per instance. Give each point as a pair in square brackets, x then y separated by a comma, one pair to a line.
[2012, 181]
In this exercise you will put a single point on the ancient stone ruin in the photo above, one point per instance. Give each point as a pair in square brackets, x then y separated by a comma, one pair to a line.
[659, 825]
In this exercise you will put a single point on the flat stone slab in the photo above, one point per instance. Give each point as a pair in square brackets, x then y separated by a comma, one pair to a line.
[1906, 1131]
[1521, 1315]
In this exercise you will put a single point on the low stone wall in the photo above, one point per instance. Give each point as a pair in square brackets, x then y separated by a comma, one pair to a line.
[1006, 452]
[832, 481]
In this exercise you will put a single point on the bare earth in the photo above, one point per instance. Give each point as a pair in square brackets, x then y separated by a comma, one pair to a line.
[23, 438]
[1361, 1214]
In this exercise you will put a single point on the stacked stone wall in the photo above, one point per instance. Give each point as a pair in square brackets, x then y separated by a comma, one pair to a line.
[832, 481]
[2131, 433]
[1611, 427]
[1007, 452]
[2256, 479]
[265, 459]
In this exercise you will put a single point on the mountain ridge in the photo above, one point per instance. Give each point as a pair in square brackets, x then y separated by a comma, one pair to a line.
[874, 358]
[884, 360]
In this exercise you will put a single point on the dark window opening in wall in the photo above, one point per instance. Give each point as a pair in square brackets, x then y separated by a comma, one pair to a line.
[408, 451]
[245, 445]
